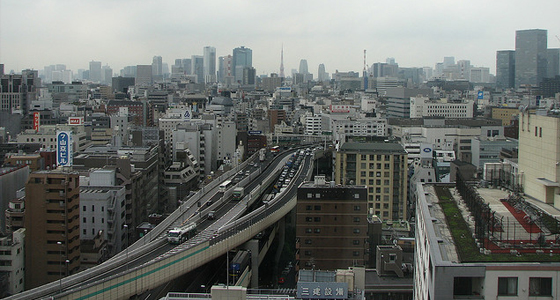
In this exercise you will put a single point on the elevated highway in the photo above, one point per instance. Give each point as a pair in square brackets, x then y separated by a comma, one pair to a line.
[151, 261]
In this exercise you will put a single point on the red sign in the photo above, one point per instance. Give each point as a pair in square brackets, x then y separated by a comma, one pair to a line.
[36, 120]
[75, 120]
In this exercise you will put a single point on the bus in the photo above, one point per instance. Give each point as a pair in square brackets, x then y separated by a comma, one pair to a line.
[225, 186]
[274, 150]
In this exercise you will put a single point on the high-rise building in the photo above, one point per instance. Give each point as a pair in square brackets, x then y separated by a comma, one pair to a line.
[382, 167]
[106, 75]
[209, 54]
[331, 225]
[157, 66]
[249, 75]
[553, 62]
[322, 74]
[95, 71]
[242, 57]
[52, 226]
[303, 66]
[225, 73]
[18, 90]
[530, 57]
[197, 68]
[505, 69]
[143, 75]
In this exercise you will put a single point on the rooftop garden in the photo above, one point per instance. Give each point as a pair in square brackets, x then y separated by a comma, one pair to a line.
[466, 246]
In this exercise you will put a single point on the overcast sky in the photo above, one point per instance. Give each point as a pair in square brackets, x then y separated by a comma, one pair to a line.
[36, 33]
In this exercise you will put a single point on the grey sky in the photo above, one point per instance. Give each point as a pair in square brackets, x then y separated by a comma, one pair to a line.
[35, 33]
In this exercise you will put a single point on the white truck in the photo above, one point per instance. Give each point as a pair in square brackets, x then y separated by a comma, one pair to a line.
[180, 234]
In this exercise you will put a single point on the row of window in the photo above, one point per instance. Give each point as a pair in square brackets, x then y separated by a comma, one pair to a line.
[84, 208]
[318, 219]
[310, 241]
[538, 286]
[308, 253]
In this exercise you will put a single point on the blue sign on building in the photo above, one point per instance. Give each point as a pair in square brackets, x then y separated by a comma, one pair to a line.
[480, 95]
[64, 148]
[255, 132]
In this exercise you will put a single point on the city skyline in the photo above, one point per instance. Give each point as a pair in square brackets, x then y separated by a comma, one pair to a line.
[416, 34]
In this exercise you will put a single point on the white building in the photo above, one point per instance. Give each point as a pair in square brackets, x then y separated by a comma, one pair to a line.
[312, 124]
[102, 209]
[424, 107]
[12, 261]
[449, 264]
[46, 136]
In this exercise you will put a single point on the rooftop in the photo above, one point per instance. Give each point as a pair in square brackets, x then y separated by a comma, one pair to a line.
[490, 225]
[380, 147]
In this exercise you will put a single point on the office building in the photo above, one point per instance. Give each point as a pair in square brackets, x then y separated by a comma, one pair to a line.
[143, 75]
[553, 62]
[424, 107]
[12, 271]
[197, 67]
[209, 54]
[121, 84]
[331, 225]
[505, 69]
[242, 57]
[530, 57]
[102, 204]
[157, 67]
[17, 91]
[322, 74]
[382, 167]
[95, 71]
[52, 223]
[303, 67]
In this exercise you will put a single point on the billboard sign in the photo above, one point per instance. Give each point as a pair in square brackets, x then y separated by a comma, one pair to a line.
[322, 290]
[340, 108]
[64, 148]
[36, 120]
[75, 120]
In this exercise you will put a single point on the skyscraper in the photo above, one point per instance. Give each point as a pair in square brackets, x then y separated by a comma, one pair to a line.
[242, 57]
[321, 73]
[530, 56]
[553, 62]
[505, 69]
[143, 74]
[157, 68]
[209, 54]
[197, 67]
[95, 71]
[303, 66]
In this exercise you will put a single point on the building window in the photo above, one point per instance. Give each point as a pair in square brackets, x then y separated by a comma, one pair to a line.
[356, 253]
[507, 286]
[308, 207]
[317, 207]
[308, 242]
[356, 219]
[317, 219]
[309, 195]
[356, 242]
[308, 230]
[84, 208]
[308, 219]
[317, 230]
[84, 220]
[540, 286]
[93, 208]
[307, 252]
[540, 131]
[392, 257]
[357, 207]
[356, 230]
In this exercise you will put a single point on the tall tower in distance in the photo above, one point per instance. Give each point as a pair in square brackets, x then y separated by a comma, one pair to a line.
[303, 67]
[209, 56]
[282, 63]
[530, 56]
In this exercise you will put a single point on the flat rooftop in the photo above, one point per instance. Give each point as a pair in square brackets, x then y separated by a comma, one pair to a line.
[508, 227]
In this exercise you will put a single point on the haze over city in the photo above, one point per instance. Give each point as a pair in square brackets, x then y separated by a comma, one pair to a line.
[34, 34]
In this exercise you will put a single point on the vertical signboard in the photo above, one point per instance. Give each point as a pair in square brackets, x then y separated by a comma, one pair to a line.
[187, 114]
[36, 120]
[64, 148]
